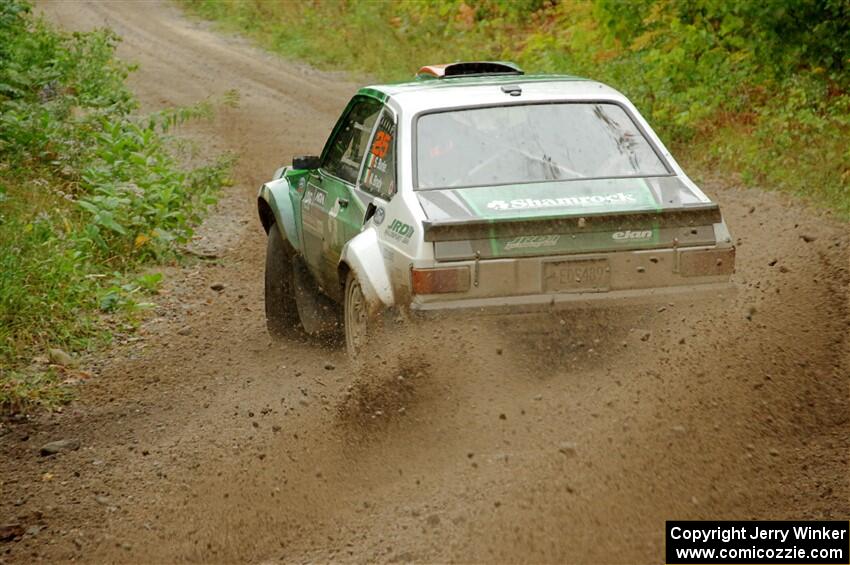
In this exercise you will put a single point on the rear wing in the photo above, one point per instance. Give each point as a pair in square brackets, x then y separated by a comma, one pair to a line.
[468, 68]
[478, 228]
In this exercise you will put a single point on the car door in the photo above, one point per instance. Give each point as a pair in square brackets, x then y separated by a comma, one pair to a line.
[330, 212]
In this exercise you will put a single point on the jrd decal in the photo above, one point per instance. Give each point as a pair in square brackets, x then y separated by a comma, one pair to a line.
[399, 231]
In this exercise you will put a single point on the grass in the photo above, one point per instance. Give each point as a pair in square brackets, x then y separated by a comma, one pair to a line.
[91, 193]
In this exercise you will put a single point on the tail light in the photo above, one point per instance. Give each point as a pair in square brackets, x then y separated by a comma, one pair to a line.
[707, 262]
[439, 281]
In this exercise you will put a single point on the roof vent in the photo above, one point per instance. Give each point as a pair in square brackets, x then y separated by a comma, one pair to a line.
[468, 68]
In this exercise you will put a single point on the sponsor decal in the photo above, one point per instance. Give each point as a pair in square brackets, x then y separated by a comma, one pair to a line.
[333, 240]
[335, 209]
[319, 197]
[563, 202]
[376, 173]
[532, 242]
[399, 231]
[632, 235]
[302, 182]
[378, 216]
[380, 165]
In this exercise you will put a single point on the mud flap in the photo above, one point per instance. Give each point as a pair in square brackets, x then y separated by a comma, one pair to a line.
[319, 315]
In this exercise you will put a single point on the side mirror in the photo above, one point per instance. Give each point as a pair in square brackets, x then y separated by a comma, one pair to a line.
[306, 162]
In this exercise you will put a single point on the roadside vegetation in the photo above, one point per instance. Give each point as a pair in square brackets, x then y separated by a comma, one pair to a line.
[751, 91]
[91, 196]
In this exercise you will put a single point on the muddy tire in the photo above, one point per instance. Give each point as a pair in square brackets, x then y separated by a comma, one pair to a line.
[356, 320]
[320, 316]
[281, 311]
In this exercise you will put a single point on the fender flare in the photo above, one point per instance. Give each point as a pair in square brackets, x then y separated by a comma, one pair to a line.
[274, 198]
[362, 254]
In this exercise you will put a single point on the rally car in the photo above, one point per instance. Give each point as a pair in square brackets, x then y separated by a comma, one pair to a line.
[475, 189]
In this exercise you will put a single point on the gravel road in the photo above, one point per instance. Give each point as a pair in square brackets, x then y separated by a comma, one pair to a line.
[550, 440]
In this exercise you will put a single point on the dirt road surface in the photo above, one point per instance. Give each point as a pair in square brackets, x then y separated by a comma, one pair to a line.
[559, 439]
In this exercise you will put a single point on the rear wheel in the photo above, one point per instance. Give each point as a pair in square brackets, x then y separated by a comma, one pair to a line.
[355, 318]
[281, 310]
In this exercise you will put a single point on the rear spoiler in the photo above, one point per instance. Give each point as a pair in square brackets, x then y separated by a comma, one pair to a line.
[459, 230]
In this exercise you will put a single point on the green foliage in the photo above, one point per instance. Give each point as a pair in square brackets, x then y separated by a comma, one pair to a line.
[759, 90]
[89, 192]
[122, 295]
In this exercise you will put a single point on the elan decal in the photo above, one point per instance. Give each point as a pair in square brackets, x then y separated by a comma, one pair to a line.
[632, 235]
[580, 201]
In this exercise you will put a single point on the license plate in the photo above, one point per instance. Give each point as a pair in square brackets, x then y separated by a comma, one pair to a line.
[585, 275]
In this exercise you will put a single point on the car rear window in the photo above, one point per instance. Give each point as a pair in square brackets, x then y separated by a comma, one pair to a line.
[529, 143]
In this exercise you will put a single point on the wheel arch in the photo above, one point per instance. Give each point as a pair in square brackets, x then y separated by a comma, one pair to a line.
[275, 206]
[362, 256]
[266, 215]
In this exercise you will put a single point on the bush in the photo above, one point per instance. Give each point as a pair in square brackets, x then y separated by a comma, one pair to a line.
[89, 193]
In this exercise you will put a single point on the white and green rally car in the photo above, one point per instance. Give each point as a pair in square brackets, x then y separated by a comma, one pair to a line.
[477, 188]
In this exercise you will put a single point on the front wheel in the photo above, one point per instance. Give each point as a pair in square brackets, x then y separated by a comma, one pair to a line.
[355, 318]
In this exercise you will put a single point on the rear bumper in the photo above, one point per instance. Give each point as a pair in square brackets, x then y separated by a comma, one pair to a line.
[585, 300]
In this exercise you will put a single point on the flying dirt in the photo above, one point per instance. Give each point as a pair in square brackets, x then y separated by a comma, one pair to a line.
[546, 439]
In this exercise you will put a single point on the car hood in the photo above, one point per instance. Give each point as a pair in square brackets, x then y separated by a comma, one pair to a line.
[582, 197]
